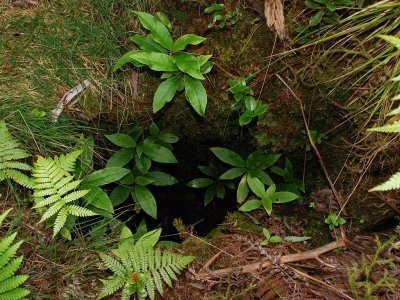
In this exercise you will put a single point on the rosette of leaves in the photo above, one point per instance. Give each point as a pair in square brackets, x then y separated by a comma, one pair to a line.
[139, 268]
[249, 170]
[215, 186]
[181, 70]
[394, 127]
[290, 183]
[11, 154]
[221, 18]
[9, 282]
[248, 107]
[139, 154]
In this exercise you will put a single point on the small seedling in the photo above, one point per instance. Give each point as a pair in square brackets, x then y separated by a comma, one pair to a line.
[334, 221]
[270, 239]
[248, 107]
[220, 19]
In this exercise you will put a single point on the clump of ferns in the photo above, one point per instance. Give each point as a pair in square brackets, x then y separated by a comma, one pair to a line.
[11, 154]
[56, 193]
[362, 281]
[9, 282]
[140, 269]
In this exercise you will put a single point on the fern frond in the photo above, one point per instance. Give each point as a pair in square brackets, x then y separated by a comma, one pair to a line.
[389, 128]
[56, 190]
[80, 211]
[391, 184]
[143, 270]
[10, 153]
[9, 283]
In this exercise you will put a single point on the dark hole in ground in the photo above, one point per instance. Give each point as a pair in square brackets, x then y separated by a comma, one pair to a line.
[181, 201]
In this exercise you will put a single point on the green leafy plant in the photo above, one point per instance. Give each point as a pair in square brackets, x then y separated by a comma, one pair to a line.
[10, 156]
[334, 221]
[9, 282]
[324, 12]
[181, 70]
[394, 181]
[290, 183]
[220, 17]
[139, 268]
[139, 153]
[270, 239]
[58, 196]
[316, 136]
[360, 279]
[267, 197]
[215, 186]
[248, 107]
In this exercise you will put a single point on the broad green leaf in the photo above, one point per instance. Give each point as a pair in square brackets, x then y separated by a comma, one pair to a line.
[143, 181]
[283, 197]
[98, 198]
[154, 130]
[250, 103]
[269, 160]
[158, 153]
[160, 33]
[267, 204]
[127, 180]
[254, 160]
[149, 239]
[105, 176]
[220, 191]
[208, 170]
[119, 195]
[266, 233]
[121, 157]
[250, 205]
[168, 137]
[203, 59]
[207, 67]
[243, 190]
[262, 175]
[275, 239]
[261, 109]
[214, 7]
[245, 119]
[228, 156]
[165, 92]
[143, 163]
[161, 178]
[122, 140]
[147, 43]
[155, 61]
[126, 58]
[200, 183]
[210, 194]
[196, 94]
[317, 18]
[233, 173]
[163, 18]
[270, 191]
[146, 200]
[189, 64]
[187, 39]
[256, 186]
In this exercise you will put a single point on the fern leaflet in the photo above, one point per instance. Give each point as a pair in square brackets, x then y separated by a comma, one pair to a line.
[140, 269]
[9, 282]
[56, 192]
[10, 153]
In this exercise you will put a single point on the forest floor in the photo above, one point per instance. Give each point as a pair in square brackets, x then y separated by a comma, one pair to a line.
[50, 47]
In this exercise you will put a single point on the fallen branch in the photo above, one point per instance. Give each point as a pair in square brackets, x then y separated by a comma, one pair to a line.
[265, 264]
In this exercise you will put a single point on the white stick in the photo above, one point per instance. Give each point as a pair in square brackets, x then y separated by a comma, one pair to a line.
[67, 98]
